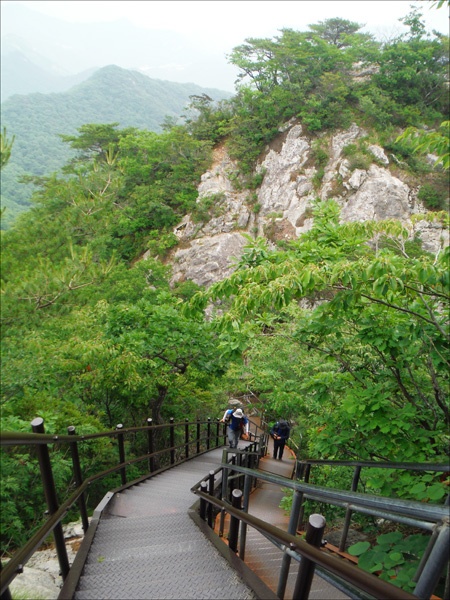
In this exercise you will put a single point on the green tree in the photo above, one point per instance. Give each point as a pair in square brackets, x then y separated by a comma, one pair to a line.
[430, 142]
[336, 31]
[413, 71]
[373, 376]
[6, 145]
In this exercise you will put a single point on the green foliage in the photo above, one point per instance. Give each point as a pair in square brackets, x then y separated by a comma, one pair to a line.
[208, 207]
[319, 155]
[255, 252]
[358, 156]
[412, 73]
[256, 180]
[435, 142]
[336, 31]
[343, 331]
[431, 197]
[311, 75]
[207, 120]
[394, 557]
[160, 243]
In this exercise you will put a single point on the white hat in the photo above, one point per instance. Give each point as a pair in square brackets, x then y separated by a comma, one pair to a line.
[238, 413]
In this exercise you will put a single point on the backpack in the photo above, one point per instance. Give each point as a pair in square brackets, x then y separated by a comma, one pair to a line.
[228, 417]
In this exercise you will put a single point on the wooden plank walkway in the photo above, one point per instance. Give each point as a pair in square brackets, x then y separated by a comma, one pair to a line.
[263, 557]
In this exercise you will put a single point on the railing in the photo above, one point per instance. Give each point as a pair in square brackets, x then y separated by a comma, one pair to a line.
[235, 501]
[222, 492]
[183, 441]
[304, 473]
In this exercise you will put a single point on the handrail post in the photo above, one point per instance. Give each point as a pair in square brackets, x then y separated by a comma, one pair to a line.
[225, 434]
[120, 442]
[7, 593]
[172, 441]
[292, 529]
[348, 512]
[435, 564]
[78, 479]
[186, 437]
[151, 446]
[243, 535]
[211, 493]
[204, 488]
[224, 475]
[307, 471]
[37, 426]
[217, 431]
[231, 477]
[209, 433]
[198, 435]
[236, 498]
[314, 533]
[221, 522]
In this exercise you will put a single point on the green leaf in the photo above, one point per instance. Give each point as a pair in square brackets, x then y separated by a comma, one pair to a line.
[389, 538]
[358, 548]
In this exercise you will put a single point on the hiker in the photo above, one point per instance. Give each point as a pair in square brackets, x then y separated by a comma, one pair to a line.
[237, 424]
[280, 433]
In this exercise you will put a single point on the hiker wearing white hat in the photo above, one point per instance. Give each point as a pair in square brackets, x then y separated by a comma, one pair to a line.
[237, 424]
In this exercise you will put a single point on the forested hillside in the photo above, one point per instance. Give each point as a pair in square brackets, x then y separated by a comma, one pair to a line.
[343, 331]
[110, 95]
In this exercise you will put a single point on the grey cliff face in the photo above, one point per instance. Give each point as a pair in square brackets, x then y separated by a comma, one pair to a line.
[281, 207]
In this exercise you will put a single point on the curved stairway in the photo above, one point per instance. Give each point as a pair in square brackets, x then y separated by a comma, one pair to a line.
[146, 546]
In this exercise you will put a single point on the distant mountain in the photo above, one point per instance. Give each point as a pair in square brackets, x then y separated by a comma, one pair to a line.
[62, 49]
[110, 95]
[19, 75]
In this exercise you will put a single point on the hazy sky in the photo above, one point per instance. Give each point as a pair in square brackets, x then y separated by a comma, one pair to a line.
[226, 23]
[215, 27]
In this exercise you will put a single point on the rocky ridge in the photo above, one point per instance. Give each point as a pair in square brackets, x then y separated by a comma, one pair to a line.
[280, 208]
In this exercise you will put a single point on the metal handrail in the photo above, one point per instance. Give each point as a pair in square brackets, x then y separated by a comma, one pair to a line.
[201, 440]
[298, 549]
[57, 513]
[303, 470]
[433, 518]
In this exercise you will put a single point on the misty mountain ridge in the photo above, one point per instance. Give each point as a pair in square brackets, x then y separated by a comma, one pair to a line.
[62, 50]
[110, 95]
[20, 75]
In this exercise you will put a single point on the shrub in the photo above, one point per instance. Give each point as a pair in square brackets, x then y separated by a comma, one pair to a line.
[208, 207]
[159, 243]
[431, 197]
[256, 180]
[318, 177]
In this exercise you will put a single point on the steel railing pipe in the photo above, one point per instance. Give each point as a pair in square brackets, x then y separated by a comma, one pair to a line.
[78, 479]
[50, 496]
[314, 533]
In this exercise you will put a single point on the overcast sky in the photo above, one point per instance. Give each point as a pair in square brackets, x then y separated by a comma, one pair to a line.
[226, 23]
[215, 27]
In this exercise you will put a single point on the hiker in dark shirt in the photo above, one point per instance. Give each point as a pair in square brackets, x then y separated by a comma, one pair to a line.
[280, 433]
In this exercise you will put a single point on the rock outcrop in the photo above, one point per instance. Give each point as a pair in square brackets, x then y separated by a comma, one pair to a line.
[41, 577]
[280, 208]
